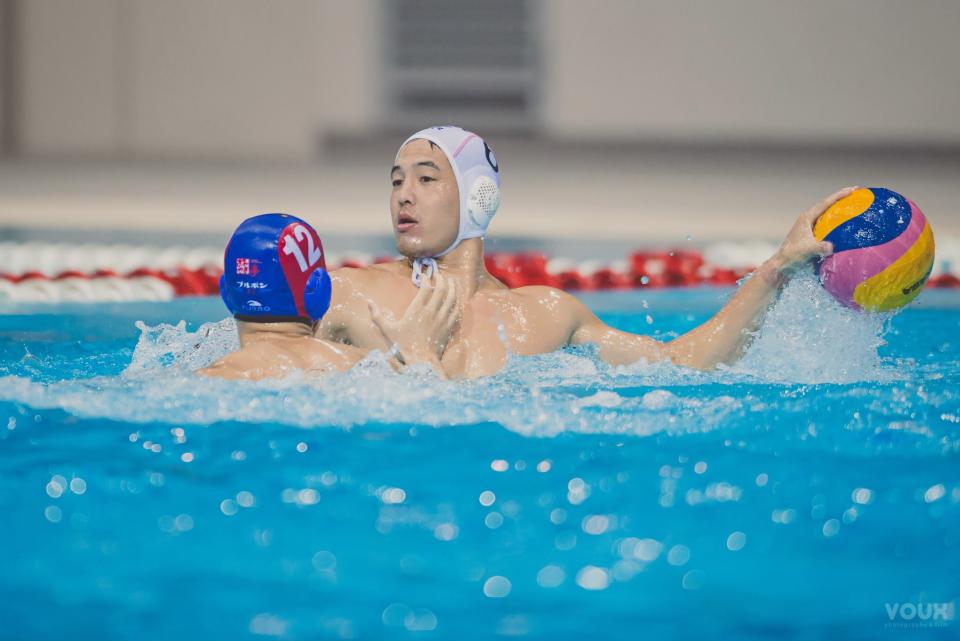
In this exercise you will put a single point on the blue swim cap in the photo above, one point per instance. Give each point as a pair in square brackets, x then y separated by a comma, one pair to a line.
[274, 271]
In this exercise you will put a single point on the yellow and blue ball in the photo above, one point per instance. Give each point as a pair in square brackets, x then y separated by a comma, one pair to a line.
[883, 249]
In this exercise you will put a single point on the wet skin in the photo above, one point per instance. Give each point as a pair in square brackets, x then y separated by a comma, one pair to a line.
[269, 350]
[493, 321]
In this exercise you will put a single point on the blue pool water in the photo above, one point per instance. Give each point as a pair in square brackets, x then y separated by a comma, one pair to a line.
[809, 492]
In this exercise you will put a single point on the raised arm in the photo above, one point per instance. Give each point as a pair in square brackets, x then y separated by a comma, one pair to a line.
[725, 337]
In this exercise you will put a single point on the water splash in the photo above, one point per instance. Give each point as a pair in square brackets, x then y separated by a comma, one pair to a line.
[173, 346]
[808, 337]
[567, 391]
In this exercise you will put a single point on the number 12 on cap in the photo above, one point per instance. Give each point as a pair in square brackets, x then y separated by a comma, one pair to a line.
[291, 247]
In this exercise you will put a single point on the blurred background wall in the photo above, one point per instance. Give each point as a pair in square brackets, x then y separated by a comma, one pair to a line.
[246, 78]
[787, 100]
[181, 78]
[821, 71]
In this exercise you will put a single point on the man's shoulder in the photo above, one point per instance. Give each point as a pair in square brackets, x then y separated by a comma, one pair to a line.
[549, 302]
[353, 289]
[368, 274]
[231, 366]
[259, 360]
[544, 293]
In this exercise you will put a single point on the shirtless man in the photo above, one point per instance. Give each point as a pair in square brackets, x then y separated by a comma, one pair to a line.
[445, 191]
[276, 285]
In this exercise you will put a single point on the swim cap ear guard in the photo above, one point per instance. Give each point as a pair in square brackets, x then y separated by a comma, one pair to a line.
[316, 295]
[483, 199]
[274, 271]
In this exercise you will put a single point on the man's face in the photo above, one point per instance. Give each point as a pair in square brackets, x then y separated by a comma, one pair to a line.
[425, 202]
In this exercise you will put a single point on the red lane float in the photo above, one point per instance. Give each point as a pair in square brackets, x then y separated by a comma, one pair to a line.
[198, 273]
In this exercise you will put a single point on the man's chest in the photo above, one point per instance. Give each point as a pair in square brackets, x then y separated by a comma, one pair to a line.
[489, 329]
[489, 332]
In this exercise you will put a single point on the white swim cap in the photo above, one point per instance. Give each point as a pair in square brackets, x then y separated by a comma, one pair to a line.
[477, 174]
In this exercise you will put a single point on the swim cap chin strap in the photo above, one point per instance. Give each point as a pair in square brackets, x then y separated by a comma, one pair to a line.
[419, 264]
[478, 182]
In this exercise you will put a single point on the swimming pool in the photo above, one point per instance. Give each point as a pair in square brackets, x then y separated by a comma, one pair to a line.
[812, 491]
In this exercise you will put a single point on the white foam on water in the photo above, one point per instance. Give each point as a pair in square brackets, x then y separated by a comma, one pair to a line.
[543, 395]
[807, 338]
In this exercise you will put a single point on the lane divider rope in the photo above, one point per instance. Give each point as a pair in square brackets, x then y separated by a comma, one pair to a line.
[59, 272]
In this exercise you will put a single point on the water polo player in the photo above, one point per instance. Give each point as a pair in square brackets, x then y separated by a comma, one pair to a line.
[446, 190]
[276, 286]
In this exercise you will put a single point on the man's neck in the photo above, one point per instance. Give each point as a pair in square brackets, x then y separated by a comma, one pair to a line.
[465, 265]
[251, 333]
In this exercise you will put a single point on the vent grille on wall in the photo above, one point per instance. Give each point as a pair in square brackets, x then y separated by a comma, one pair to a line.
[460, 62]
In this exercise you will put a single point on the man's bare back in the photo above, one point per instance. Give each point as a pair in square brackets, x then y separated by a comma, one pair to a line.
[271, 355]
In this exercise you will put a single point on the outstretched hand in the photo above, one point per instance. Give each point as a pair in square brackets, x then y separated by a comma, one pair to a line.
[425, 328]
[801, 245]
